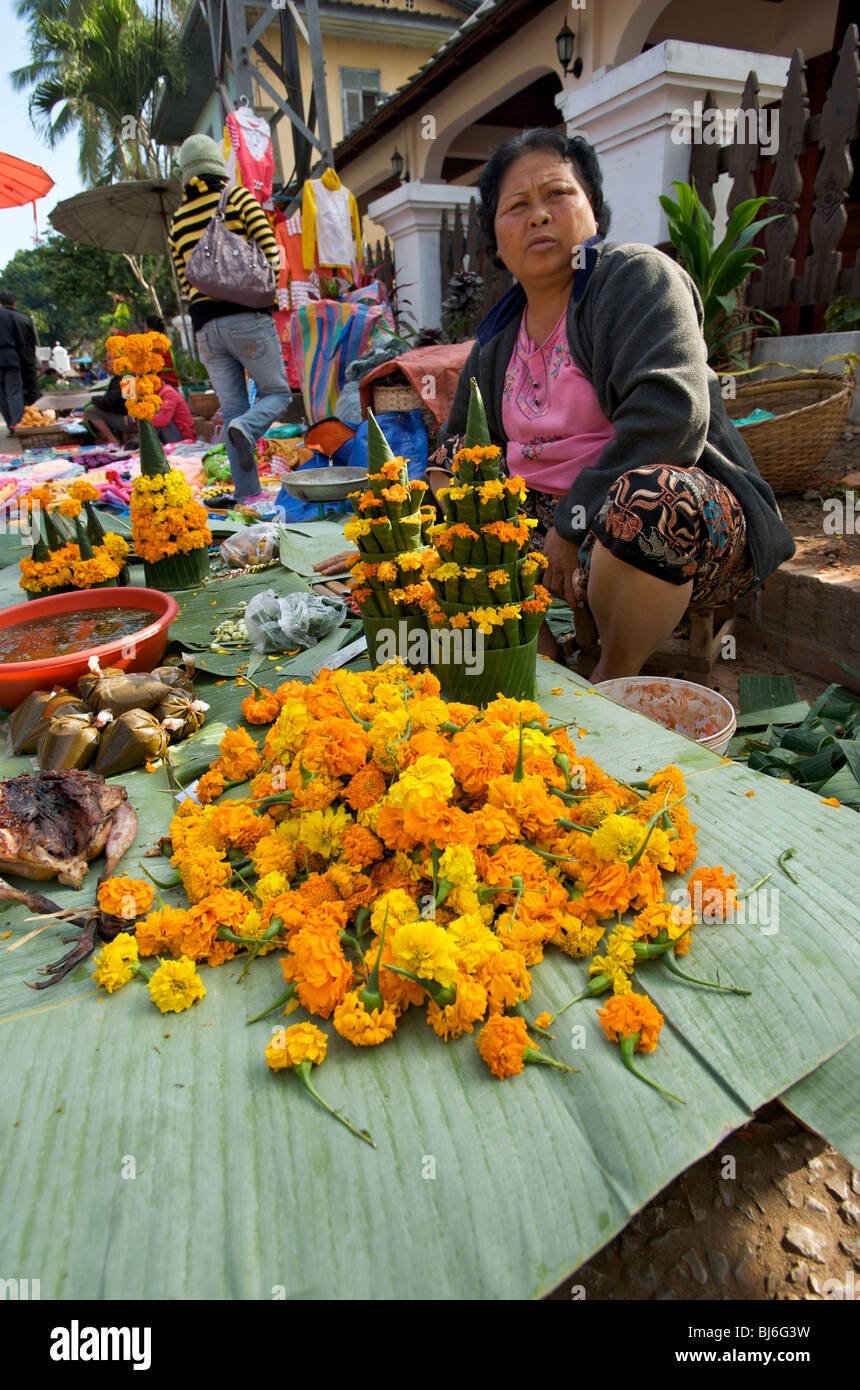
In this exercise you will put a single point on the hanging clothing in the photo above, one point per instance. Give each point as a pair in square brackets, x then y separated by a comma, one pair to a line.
[295, 284]
[331, 225]
[250, 158]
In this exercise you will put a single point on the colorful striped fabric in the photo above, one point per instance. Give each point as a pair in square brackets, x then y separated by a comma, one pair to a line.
[326, 336]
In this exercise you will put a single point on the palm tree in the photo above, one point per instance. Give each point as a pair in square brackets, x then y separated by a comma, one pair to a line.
[97, 65]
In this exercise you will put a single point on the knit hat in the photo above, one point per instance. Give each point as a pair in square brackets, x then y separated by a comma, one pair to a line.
[201, 155]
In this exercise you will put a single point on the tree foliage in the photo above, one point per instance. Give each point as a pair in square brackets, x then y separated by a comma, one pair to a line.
[72, 291]
[96, 66]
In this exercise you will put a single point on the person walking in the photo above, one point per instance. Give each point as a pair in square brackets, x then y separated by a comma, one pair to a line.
[29, 367]
[11, 379]
[230, 337]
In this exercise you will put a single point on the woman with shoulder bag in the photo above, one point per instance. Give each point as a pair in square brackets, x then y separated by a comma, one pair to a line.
[231, 336]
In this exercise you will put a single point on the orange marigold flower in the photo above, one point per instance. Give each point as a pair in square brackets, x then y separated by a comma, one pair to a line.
[627, 1014]
[261, 709]
[361, 1026]
[506, 979]
[503, 1042]
[209, 786]
[360, 846]
[712, 894]
[239, 756]
[317, 965]
[365, 787]
[160, 931]
[460, 1017]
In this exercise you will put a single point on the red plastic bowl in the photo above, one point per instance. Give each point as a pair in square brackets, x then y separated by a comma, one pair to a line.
[19, 678]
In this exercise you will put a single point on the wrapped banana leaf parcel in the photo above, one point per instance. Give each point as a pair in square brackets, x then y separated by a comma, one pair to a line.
[132, 690]
[31, 720]
[180, 714]
[132, 739]
[70, 742]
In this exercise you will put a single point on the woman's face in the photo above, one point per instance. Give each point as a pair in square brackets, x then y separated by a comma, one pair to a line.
[542, 214]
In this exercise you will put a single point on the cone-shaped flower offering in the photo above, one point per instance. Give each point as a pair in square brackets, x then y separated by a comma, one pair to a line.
[170, 530]
[387, 581]
[485, 605]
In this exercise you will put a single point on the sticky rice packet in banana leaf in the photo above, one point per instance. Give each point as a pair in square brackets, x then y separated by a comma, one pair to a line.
[176, 678]
[88, 683]
[180, 715]
[63, 702]
[129, 741]
[129, 691]
[68, 743]
[25, 715]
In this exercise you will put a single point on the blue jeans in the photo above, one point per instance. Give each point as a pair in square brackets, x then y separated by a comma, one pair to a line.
[226, 347]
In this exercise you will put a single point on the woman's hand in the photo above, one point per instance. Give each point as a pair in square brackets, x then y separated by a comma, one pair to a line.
[563, 557]
[335, 563]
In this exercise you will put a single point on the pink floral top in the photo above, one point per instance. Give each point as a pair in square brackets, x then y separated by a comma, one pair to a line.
[550, 414]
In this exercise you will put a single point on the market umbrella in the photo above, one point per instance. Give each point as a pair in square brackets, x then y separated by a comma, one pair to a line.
[22, 183]
[130, 217]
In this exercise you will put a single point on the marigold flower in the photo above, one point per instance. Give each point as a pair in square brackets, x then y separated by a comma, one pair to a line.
[160, 931]
[506, 979]
[426, 950]
[289, 1047]
[239, 756]
[115, 965]
[128, 898]
[460, 1017]
[175, 986]
[712, 893]
[317, 965]
[627, 1014]
[262, 708]
[361, 1026]
[503, 1042]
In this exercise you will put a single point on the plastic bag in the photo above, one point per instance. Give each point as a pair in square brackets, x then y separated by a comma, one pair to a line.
[253, 545]
[279, 623]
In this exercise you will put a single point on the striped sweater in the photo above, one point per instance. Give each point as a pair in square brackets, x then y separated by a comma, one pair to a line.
[243, 215]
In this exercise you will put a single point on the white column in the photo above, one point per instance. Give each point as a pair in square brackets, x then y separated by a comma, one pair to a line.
[412, 216]
[626, 113]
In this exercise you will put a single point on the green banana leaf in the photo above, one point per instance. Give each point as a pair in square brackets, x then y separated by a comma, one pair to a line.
[826, 1101]
[477, 1188]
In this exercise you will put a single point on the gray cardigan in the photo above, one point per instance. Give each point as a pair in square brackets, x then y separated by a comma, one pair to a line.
[634, 325]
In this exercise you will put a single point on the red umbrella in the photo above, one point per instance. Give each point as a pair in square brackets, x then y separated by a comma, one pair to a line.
[21, 183]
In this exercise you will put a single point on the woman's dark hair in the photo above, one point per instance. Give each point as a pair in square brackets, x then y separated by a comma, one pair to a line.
[155, 323]
[575, 149]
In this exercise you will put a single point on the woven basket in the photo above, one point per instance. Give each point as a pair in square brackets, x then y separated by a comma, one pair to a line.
[395, 398]
[44, 437]
[203, 404]
[809, 415]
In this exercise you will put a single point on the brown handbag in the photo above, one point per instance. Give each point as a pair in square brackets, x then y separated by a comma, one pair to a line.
[226, 265]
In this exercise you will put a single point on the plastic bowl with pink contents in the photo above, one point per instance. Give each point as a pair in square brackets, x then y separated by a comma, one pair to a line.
[692, 710]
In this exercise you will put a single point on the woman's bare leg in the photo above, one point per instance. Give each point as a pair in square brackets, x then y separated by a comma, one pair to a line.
[634, 613]
[546, 643]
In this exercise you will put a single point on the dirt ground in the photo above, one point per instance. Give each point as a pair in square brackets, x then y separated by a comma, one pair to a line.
[838, 477]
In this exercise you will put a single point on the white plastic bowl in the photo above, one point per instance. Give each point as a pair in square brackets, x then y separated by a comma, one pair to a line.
[693, 710]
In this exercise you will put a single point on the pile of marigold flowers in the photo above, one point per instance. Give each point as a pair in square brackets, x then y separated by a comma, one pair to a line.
[407, 855]
[165, 519]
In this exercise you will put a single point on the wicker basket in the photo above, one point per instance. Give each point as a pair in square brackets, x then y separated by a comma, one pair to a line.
[203, 404]
[395, 398]
[45, 437]
[809, 415]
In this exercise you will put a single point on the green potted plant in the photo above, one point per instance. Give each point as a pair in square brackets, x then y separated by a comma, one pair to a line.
[718, 271]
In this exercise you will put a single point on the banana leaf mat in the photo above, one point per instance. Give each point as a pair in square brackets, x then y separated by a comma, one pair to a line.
[243, 1189]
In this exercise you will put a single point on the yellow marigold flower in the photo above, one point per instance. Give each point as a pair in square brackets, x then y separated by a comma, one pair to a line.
[575, 938]
[397, 907]
[617, 839]
[503, 1043]
[125, 897]
[175, 986]
[427, 778]
[460, 1017]
[457, 864]
[543, 1020]
[473, 942]
[426, 950]
[321, 832]
[116, 962]
[361, 1026]
[289, 1047]
[627, 1014]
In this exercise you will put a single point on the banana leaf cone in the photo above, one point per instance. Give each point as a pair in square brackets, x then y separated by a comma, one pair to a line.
[68, 743]
[448, 507]
[152, 456]
[513, 632]
[485, 673]
[56, 533]
[40, 551]
[133, 690]
[129, 742]
[181, 714]
[175, 678]
[477, 432]
[494, 549]
[428, 519]
[501, 592]
[95, 530]
[407, 532]
[528, 578]
[491, 510]
[183, 571]
[379, 451]
[532, 623]
[475, 588]
[25, 716]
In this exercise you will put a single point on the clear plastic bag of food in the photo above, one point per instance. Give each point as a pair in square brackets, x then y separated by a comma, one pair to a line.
[253, 545]
[281, 622]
